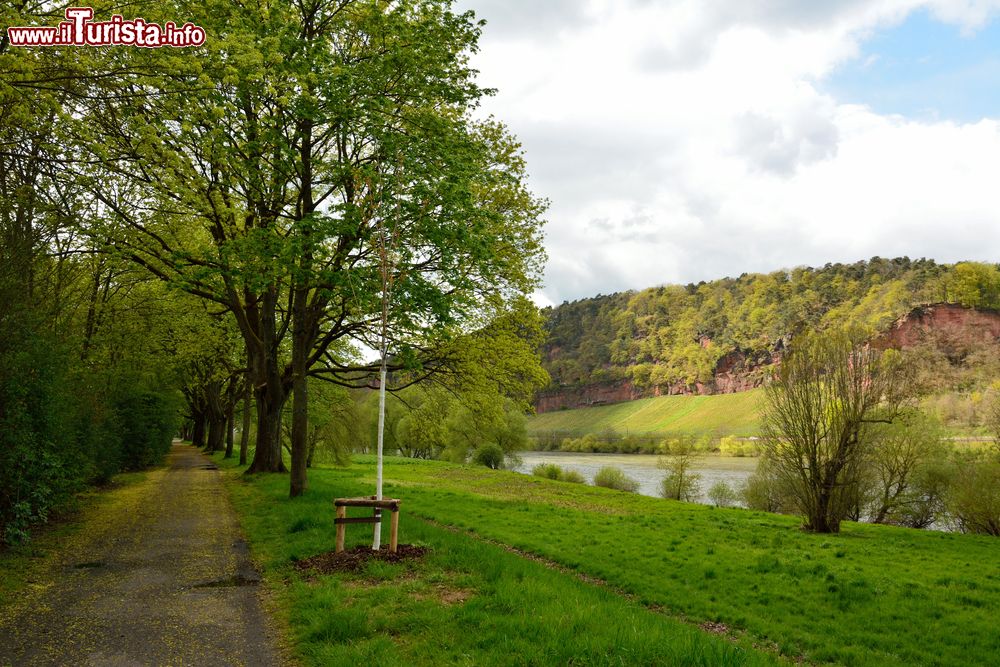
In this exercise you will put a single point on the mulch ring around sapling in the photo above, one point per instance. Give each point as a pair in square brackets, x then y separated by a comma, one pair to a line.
[354, 559]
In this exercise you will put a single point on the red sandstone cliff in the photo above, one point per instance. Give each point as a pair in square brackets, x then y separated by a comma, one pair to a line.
[944, 324]
[736, 371]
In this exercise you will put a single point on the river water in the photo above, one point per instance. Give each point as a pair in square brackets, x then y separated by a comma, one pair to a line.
[643, 469]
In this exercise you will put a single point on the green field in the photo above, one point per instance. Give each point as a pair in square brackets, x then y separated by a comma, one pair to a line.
[467, 603]
[873, 595]
[713, 416]
[725, 414]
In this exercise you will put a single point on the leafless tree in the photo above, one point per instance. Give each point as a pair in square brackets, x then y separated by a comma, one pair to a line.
[820, 409]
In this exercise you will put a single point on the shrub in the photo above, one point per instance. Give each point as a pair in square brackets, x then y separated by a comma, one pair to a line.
[732, 446]
[147, 423]
[680, 483]
[630, 444]
[763, 491]
[684, 445]
[906, 471]
[552, 471]
[588, 443]
[613, 478]
[548, 471]
[704, 444]
[490, 455]
[974, 498]
[545, 442]
[672, 446]
[722, 495]
[38, 470]
[925, 502]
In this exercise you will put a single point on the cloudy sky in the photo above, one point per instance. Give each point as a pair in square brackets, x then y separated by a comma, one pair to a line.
[686, 140]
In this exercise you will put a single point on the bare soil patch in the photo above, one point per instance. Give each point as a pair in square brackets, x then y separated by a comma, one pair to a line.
[352, 560]
[717, 628]
[450, 596]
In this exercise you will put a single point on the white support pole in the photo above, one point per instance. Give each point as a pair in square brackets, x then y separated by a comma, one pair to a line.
[377, 538]
[387, 280]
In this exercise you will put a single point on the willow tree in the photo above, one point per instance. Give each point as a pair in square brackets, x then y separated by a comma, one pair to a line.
[256, 171]
[829, 394]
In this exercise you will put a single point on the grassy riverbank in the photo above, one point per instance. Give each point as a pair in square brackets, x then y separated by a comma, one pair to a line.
[467, 603]
[713, 417]
[873, 595]
[724, 414]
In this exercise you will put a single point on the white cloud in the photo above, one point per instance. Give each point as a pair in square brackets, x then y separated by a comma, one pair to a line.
[691, 139]
[969, 14]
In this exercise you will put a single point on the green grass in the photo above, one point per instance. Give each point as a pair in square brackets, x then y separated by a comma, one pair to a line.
[872, 595]
[467, 603]
[723, 414]
[719, 415]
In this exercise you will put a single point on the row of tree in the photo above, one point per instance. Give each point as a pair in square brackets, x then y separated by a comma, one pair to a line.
[244, 206]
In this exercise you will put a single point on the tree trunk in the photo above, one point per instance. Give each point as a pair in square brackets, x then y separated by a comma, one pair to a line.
[270, 391]
[216, 417]
[198, 430]
[245, 433]
[230, 419]
[267, 455]
[821, 520]
[302, 329]
[91, 320]
[312, 452]
[300, 448]
[216, 434]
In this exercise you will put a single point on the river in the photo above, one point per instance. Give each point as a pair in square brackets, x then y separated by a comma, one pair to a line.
[643, 469]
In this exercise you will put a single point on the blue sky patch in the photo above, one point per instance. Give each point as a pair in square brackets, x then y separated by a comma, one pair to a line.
[925, 69]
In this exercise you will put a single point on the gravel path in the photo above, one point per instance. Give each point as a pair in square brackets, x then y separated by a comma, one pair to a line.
[159, 575]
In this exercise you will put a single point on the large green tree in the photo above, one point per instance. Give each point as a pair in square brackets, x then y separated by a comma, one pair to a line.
[260, 170]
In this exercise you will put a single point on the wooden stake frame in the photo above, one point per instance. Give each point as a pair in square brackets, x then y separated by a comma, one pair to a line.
[341, 520]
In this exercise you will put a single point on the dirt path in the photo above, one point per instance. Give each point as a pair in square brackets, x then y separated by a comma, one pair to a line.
[158, 576]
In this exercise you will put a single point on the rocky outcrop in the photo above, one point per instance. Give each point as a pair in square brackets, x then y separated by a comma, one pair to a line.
[736, 371]
[602, 393]
[945, 324]
[950, 327]
[742, 371]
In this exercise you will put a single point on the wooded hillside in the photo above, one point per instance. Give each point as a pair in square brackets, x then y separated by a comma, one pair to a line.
[679, 338]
